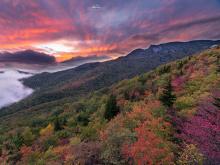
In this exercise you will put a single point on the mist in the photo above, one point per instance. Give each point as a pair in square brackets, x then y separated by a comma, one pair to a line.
[12, 90]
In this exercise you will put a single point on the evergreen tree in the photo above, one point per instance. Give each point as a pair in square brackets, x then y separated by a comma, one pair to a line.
[57, 124]
[168, 98]
[217, 102]
[218, 64]
[111, 108]
[18, 140]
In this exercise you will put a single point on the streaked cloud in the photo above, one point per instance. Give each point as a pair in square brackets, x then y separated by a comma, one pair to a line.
[67, 28]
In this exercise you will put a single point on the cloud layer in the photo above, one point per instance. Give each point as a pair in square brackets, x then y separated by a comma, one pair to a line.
[11, 88]
[67, 28]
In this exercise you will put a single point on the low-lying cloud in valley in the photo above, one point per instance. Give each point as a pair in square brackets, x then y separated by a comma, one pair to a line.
[12, 90]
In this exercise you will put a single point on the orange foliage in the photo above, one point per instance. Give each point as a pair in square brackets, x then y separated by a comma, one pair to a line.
[25, 150]
[63, 152]
[148, 149]
[151, 146]
[143, 112]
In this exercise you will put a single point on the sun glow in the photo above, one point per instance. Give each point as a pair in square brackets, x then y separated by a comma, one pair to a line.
[56, 47]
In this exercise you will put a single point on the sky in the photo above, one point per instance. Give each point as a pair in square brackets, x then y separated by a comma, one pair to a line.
[69, 28]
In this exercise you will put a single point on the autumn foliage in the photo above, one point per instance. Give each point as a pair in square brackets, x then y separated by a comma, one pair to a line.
[203, 130]
[151, 146]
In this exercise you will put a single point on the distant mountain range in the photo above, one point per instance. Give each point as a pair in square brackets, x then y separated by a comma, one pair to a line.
[89, 77]
[40, 62]
[27, 57]
[81, 59]
[136, 62]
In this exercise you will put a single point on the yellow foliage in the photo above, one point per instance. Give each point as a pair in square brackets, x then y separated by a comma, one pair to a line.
[190, 155]
[47, 131]
[75, 140]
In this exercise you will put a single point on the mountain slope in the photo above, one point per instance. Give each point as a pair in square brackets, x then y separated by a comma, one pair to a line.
[97, 75]
[127, 122]
[134, 63]
[87, 78]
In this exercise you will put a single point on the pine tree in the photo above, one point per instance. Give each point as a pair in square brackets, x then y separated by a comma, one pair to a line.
[218, 64]
[18, 140]
[217, 102]
[57, 125]
[111, 108]
[168, 98]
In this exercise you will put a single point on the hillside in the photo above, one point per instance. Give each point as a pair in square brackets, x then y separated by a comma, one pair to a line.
[169, 115]
[77, 82]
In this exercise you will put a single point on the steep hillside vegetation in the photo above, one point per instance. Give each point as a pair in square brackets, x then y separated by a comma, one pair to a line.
[166, 116]
[73, 83]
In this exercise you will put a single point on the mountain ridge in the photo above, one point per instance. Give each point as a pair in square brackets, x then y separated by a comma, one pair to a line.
[27, 57]
[87, 78]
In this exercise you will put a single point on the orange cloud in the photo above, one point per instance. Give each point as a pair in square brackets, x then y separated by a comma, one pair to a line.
[110, 30]
[96, 50]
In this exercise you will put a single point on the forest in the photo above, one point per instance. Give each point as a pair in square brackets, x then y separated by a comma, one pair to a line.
[169, 115]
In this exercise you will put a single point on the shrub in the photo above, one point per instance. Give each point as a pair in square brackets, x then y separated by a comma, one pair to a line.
[190, 156]
[83, 118]
[148, 149]
[63, 134]
[113, 138]
[47, 131]
[75, 140]
[159, 112]
[50, 142]
[88, 133]
[164, 69]
[203, 130]
[184, 102]
[28, 136]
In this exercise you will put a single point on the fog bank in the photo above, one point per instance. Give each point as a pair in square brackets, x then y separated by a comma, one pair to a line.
[12, 90]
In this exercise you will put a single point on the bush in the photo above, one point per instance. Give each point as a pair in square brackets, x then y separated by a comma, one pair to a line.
[83, 119]
[48, 131]
[89, 133]
[28, 136]
[57, 111]
[75, 140]
[62, 134]
[184, 102]
[50, 142]
[159, 112]
[164, 69]
[38, 122]
[190, 155]
[112, 145]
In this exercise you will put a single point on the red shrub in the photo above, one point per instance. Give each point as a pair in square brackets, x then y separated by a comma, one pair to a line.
[203, 130]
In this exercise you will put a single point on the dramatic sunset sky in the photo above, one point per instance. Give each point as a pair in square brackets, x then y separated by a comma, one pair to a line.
[68, 28]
